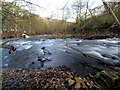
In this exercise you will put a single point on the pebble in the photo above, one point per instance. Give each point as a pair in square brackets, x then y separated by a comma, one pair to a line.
[33, 62]
[77, 86]
[71, 82]
[58, 77]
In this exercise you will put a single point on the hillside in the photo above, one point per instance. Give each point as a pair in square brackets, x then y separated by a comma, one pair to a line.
[16, 21]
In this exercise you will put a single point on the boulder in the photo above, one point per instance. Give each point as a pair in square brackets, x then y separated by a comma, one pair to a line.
[25, 35]
[109, 77]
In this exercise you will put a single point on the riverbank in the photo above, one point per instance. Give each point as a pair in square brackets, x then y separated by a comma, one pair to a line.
[59, 78]
[81, 35]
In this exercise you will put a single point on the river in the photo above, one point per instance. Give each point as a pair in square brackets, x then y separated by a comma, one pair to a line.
[44, 53]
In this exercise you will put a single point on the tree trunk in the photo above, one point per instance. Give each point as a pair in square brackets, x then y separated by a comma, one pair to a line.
[29, 31]
[15, 29]
[119, 10]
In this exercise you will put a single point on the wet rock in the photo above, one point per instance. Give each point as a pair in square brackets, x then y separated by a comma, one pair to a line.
[78, 43]
[9, 52]
[43, 48]
[49, 53]
[48, 59]
[109, 77]
[33, 62]
[113, 57]
[39, 59]
[43, 40]
[84, 63]
[42, 61]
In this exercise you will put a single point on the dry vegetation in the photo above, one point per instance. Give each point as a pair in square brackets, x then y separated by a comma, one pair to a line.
[16, 20]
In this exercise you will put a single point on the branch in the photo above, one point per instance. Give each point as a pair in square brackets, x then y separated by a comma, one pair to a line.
[111, 11]
[96, 18]
[32, 3]
[65, 5]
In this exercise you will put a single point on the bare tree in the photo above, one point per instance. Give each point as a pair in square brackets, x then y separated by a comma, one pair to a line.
[78, 6]
[63, 10]
[108, 8]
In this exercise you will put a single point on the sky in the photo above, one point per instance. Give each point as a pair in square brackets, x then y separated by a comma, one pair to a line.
[52, 8]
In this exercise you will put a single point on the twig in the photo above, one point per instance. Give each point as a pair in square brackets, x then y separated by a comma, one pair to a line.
[113, 25]
[6, 42]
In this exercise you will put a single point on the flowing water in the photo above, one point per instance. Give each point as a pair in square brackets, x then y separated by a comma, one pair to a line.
[58, 52]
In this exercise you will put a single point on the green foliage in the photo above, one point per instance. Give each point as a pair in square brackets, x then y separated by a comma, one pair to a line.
[68, 35]
[97, 74]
